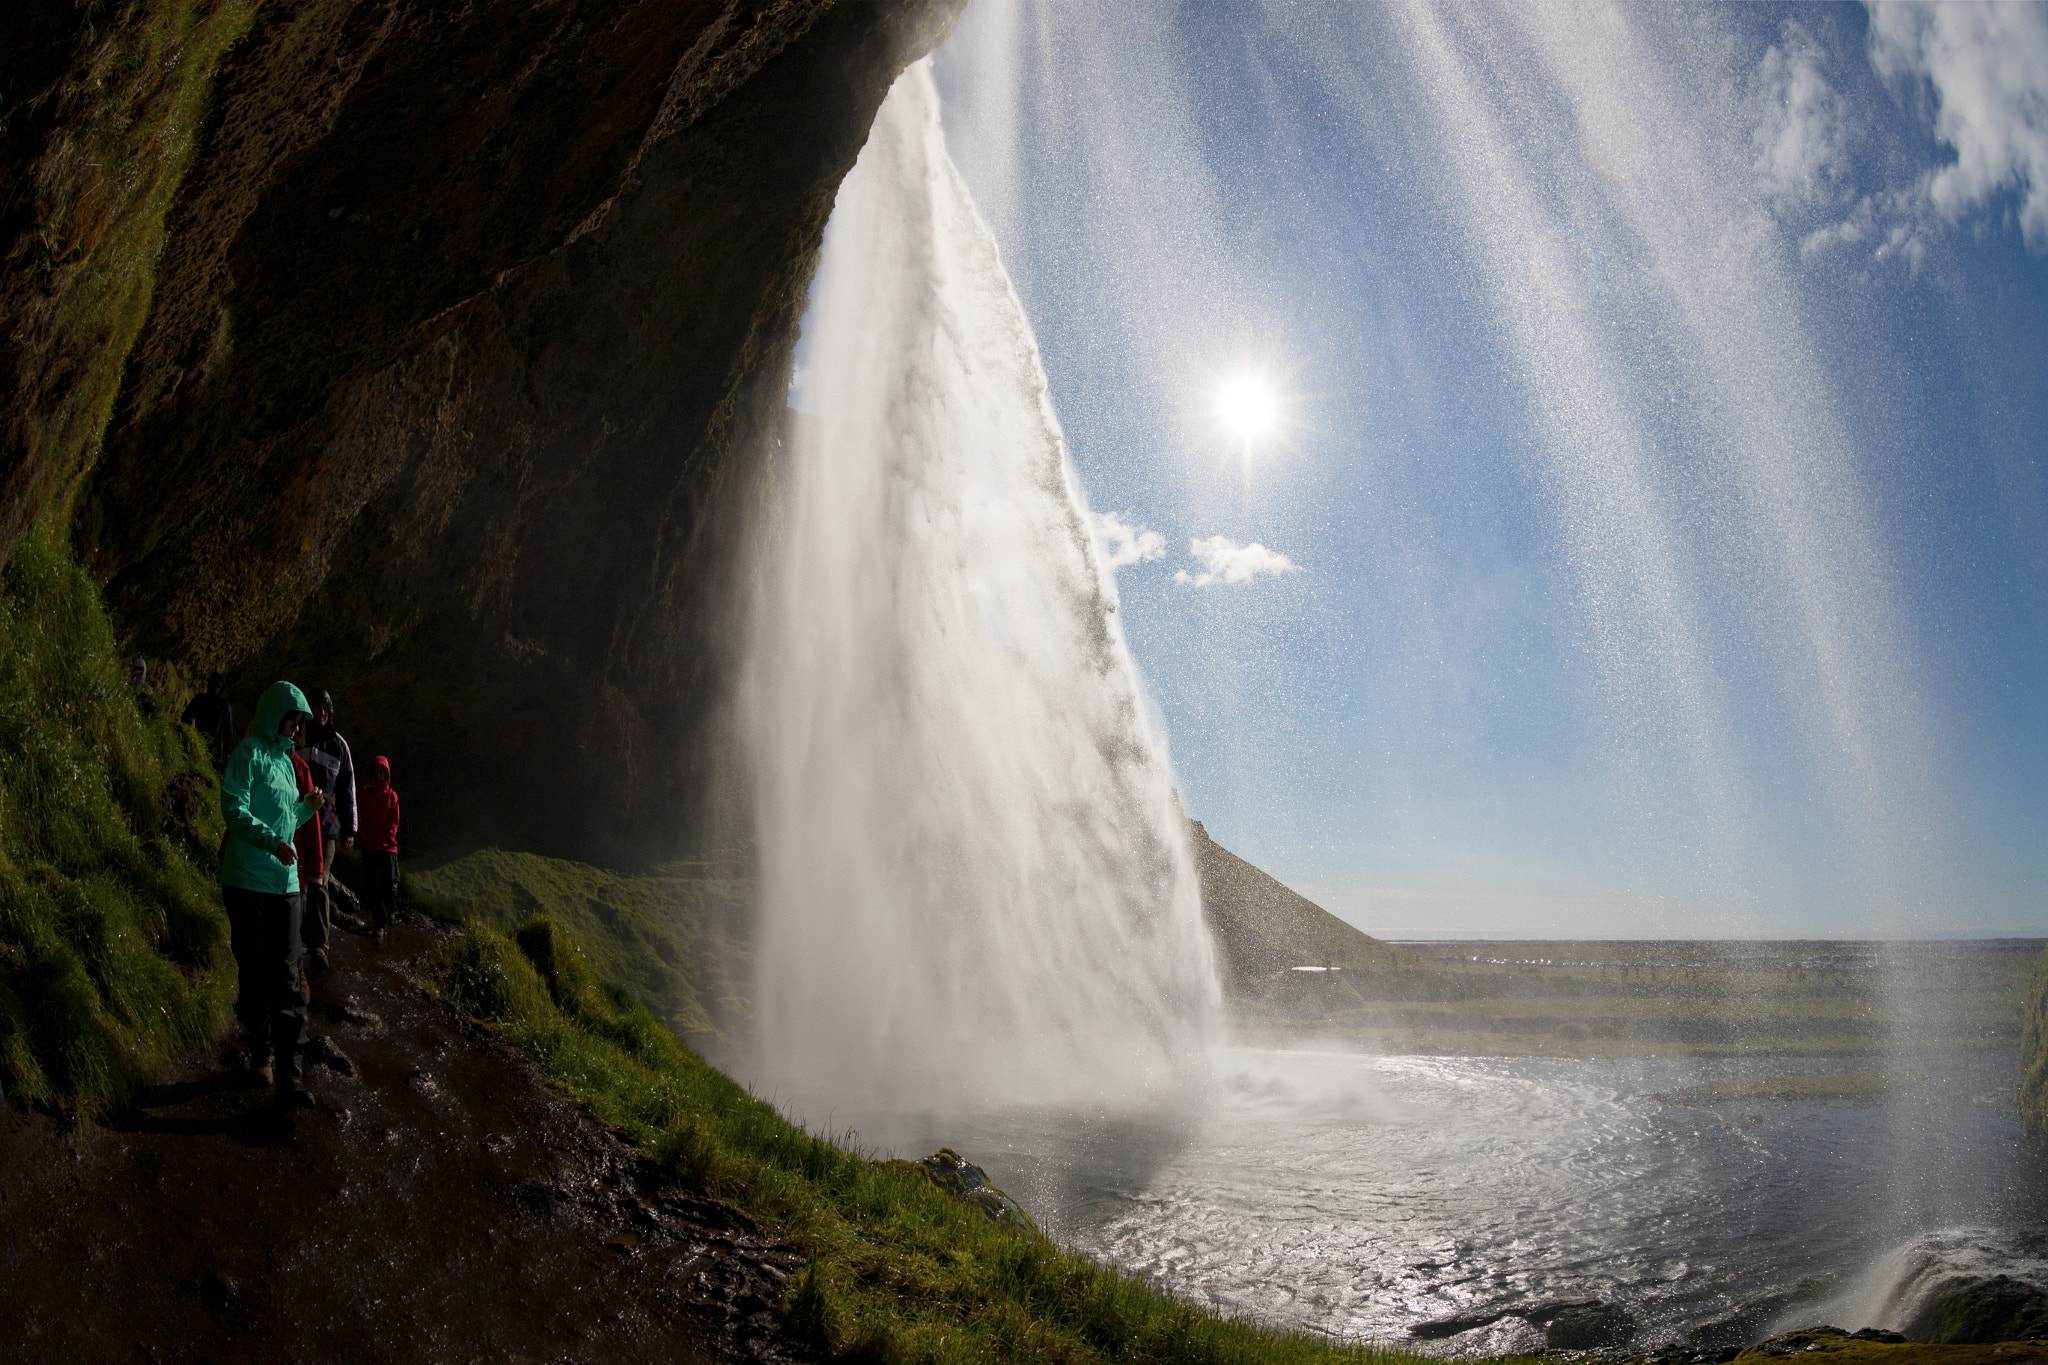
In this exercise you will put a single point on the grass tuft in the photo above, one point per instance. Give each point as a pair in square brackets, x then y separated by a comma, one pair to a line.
[113, 946]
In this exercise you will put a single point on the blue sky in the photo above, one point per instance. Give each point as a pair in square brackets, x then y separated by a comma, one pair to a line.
[1653, 540]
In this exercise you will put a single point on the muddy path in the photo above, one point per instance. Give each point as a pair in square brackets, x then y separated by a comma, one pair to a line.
[440, 1203]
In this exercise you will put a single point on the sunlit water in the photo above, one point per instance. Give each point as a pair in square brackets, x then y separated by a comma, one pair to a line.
[1359, 1195]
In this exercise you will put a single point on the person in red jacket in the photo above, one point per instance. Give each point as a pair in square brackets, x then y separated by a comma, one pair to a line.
[377, 837]
[312, 865]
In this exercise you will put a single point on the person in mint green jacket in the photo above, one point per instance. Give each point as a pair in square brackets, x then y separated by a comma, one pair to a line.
[259, 798]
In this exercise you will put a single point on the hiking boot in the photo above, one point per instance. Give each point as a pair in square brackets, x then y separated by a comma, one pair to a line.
[259, 1073]
[294, 1095]
[319, 962]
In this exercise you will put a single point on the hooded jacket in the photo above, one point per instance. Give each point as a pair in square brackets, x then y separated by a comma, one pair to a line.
[259, 799]
[377, 811]
[326, 753]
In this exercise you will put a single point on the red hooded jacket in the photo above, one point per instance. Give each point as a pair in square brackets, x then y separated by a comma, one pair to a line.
[306, 843]
[377, 811]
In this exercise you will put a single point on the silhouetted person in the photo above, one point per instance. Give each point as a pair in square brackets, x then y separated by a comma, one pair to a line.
[377, 832]
[211, 715]
[260, 800]
[145, 695]
[326, 753]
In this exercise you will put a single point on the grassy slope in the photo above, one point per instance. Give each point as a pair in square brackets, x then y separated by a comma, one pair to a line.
[898, 1271]
[1264, 929]
[113, 946]
[668, 937]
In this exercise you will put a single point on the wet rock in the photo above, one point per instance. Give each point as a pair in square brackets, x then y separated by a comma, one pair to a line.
[1539, 1314]
[356, 1016]
[1583, 1326]
[969, 1184]
[324, 1052]
[1817, 1338]
[1979, 1311]
[1746, 1324]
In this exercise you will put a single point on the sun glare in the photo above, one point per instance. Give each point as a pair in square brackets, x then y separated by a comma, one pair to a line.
[1248, 406]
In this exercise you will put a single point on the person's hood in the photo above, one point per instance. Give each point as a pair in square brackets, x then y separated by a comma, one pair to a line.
[380, 771]
[279, 700]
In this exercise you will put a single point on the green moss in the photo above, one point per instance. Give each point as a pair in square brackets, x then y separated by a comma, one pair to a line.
[129, 113]
[899, 1271]
[2033, 1086]
[669, 937]
[113, 945]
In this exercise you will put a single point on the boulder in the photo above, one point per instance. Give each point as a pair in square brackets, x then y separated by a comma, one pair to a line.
[1978, 1311]
[968, 1183]
[1588, 1326]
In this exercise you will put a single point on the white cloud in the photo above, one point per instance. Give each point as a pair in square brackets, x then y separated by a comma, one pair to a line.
[1803, 124]
[1123, 543]
[1987, 66]
[1227, 561]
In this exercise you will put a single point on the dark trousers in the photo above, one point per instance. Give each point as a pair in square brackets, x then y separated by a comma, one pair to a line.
[380, 886]
[315, 926]
[264, 931]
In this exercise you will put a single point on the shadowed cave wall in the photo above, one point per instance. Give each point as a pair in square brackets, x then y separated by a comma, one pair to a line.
[465, 349]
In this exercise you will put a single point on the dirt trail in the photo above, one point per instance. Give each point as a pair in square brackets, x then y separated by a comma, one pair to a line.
[440, 1204]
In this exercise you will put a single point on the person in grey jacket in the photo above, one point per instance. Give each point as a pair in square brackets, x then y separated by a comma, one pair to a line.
[334, 773]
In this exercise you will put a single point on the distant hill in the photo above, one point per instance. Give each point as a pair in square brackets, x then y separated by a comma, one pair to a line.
[1263, 930]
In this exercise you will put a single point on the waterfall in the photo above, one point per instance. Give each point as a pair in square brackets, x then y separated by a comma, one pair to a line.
[975, 880]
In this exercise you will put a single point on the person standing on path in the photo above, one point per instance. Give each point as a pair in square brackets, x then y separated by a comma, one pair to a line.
[259, 799]
[212, 716]
[377, 832]
[326, 753]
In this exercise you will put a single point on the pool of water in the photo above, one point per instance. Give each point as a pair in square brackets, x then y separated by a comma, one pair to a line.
[1360, 1195]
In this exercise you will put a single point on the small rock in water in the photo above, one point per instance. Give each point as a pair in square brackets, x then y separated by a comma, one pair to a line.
[354, 1014]
[1580, 1327]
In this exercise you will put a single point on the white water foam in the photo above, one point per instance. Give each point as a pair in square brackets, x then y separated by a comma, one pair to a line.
[975, 879]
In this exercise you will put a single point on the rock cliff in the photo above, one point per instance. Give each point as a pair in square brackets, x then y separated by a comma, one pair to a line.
[2033, 1085]
[457, 348]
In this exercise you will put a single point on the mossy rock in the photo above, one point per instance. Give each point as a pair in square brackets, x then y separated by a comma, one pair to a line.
[1833, 1346]
[1985, 1311]
[960, 1178]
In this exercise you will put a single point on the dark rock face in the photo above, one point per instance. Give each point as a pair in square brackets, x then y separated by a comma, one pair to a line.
[469, 333]
[1980, 1311]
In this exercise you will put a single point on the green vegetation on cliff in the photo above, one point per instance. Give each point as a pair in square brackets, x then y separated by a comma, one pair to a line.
[113, 945]
[2033, 1087]
[670, 936]
[116, 96]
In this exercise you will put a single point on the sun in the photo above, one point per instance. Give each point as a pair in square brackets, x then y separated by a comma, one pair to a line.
[1248, 406]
